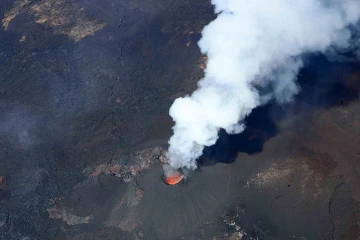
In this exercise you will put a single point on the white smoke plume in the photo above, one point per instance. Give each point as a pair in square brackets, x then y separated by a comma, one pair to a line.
[252, 44]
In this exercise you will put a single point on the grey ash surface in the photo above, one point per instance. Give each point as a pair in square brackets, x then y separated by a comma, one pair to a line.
[85, 88]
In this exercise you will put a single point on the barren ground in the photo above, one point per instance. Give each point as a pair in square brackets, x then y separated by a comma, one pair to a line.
[85, 91]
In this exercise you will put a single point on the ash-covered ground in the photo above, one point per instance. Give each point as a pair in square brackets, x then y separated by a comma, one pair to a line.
[85, 91]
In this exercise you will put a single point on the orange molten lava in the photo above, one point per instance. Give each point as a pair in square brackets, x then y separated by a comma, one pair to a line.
[174, 179]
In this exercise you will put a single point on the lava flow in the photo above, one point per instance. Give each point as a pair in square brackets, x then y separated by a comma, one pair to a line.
[174, 178]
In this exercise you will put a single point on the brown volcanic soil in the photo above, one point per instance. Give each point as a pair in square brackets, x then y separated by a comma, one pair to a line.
[85, 91]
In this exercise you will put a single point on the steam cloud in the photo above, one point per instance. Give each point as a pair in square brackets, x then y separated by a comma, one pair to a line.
[253, 45]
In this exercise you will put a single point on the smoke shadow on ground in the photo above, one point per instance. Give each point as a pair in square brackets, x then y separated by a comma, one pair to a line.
[326, 84]
[260, 128]
[323, 84]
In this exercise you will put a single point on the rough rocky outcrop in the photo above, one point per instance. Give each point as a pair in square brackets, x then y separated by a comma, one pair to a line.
[139, 161]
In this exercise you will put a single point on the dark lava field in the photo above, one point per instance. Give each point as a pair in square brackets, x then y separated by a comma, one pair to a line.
[85, 89]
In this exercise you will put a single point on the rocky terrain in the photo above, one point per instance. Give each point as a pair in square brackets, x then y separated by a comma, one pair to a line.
[85, 91]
